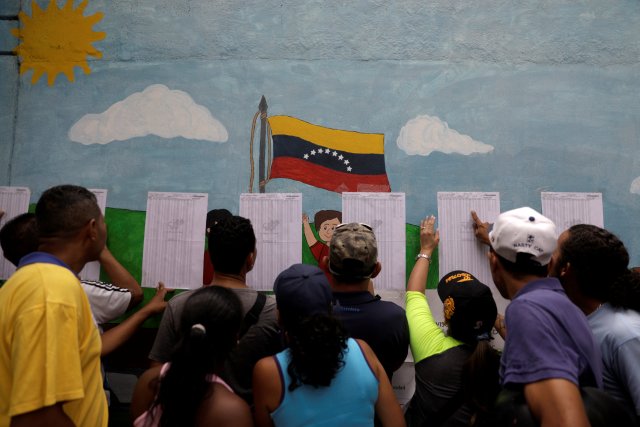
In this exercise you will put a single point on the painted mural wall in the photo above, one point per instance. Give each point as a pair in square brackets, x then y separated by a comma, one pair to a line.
[160, 95]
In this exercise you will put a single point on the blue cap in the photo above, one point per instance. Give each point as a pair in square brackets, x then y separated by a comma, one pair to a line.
[301, 291]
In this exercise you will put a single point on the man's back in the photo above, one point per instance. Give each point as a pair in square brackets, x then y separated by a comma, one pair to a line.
[50, 347]
[382, 324]
[617, 330]
[548, 337]
[261, 340]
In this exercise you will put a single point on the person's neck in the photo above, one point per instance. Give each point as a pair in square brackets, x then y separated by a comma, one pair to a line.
[228, 280]
[350, 287]
[515, 284]
[589, 305]
[573, 290]
[68, 254]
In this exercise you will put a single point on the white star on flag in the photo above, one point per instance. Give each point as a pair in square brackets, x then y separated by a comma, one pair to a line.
[306, 156]
[346, 162]
[313, 152]
[349, 169]
[335, 153]
[340, 157]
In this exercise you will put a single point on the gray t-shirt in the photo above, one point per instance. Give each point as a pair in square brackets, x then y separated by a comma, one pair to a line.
[617, 330]
[261, 340]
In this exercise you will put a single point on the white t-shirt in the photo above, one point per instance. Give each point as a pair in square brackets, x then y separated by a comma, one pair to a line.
[107, 301]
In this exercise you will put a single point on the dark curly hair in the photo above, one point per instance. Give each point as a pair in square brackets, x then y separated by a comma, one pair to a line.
[596, 257]
[230, 242]
[200, 352]
[625, 291]
[601, 264]
[317, 344]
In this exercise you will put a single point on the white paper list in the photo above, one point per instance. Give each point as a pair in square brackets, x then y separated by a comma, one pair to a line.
[13, 201]
[174, 235]
[459, 248]
[567, 209]
[91, 270]
[385, 213]
[276, 222]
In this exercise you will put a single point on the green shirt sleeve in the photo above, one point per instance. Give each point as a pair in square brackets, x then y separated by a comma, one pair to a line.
[426, 338]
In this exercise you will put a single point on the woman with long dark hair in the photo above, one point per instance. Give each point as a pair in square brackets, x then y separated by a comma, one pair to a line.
[323, 377]
[187, 391]
[457, 376]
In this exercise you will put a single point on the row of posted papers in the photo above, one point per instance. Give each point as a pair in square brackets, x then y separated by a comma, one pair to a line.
[174, 236]
[174, 239]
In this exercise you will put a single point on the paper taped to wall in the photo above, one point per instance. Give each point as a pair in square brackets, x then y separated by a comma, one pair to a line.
[174, 239]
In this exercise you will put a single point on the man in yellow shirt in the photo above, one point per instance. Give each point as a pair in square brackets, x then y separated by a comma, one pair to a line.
[49, 345]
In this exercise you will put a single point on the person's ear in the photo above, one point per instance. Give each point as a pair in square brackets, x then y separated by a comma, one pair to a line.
[376, 269]
[92, 229]
[566, 270]
[493, 262]
[251, 260]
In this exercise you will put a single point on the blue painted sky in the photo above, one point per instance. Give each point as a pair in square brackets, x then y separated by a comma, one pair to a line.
[553, 87]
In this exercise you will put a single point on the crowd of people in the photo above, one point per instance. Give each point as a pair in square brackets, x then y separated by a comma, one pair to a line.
[322, 350]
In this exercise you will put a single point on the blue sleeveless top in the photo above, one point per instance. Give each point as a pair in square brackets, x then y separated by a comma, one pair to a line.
[349, 400]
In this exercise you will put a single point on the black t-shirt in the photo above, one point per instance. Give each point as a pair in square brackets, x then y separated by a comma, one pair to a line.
[438, 399]
[381, 324]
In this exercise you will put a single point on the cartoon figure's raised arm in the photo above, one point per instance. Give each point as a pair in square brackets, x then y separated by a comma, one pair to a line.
[308, 233]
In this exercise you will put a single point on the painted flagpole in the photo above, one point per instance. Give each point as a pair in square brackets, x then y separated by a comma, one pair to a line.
[262, 107]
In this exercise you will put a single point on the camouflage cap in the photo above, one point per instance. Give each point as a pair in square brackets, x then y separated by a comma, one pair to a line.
[353, 251]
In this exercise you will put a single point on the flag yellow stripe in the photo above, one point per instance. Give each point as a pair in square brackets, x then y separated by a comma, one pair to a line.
[342, 140]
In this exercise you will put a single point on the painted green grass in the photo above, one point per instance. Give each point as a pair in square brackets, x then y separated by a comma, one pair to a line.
[126, 238]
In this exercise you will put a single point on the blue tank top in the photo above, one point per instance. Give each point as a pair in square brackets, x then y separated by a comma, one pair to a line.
[349, 400]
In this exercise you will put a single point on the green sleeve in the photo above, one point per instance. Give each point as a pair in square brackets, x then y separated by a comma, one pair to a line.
[426, 337]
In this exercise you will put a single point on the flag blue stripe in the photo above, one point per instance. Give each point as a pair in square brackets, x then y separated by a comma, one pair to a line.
[291, 146]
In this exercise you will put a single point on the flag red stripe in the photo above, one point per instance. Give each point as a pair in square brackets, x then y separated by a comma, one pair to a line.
[328, 179]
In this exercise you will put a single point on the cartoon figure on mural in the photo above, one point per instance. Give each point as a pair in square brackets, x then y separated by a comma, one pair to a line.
[325, 222]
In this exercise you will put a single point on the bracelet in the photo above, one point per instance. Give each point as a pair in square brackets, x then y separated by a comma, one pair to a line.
[425, 256]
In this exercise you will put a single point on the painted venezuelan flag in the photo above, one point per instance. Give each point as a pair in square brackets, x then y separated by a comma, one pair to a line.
[336, 160]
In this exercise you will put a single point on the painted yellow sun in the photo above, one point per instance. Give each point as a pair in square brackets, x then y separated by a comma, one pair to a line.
[56, 40]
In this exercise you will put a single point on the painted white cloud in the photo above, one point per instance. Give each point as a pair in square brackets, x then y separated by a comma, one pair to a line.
[423, 135]
[157, 110]
[635, 186]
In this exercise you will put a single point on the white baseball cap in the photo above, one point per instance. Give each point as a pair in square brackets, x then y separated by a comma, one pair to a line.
[524, 230]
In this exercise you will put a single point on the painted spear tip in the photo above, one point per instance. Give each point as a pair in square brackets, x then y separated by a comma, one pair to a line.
[263, 104]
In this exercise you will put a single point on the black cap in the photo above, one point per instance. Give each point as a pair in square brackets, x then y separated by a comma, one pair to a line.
[469, 306]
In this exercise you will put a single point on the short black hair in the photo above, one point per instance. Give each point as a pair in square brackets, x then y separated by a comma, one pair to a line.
[214, 216]
[19, 237]
[525, 265]
[230, 242]
[62, 210]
